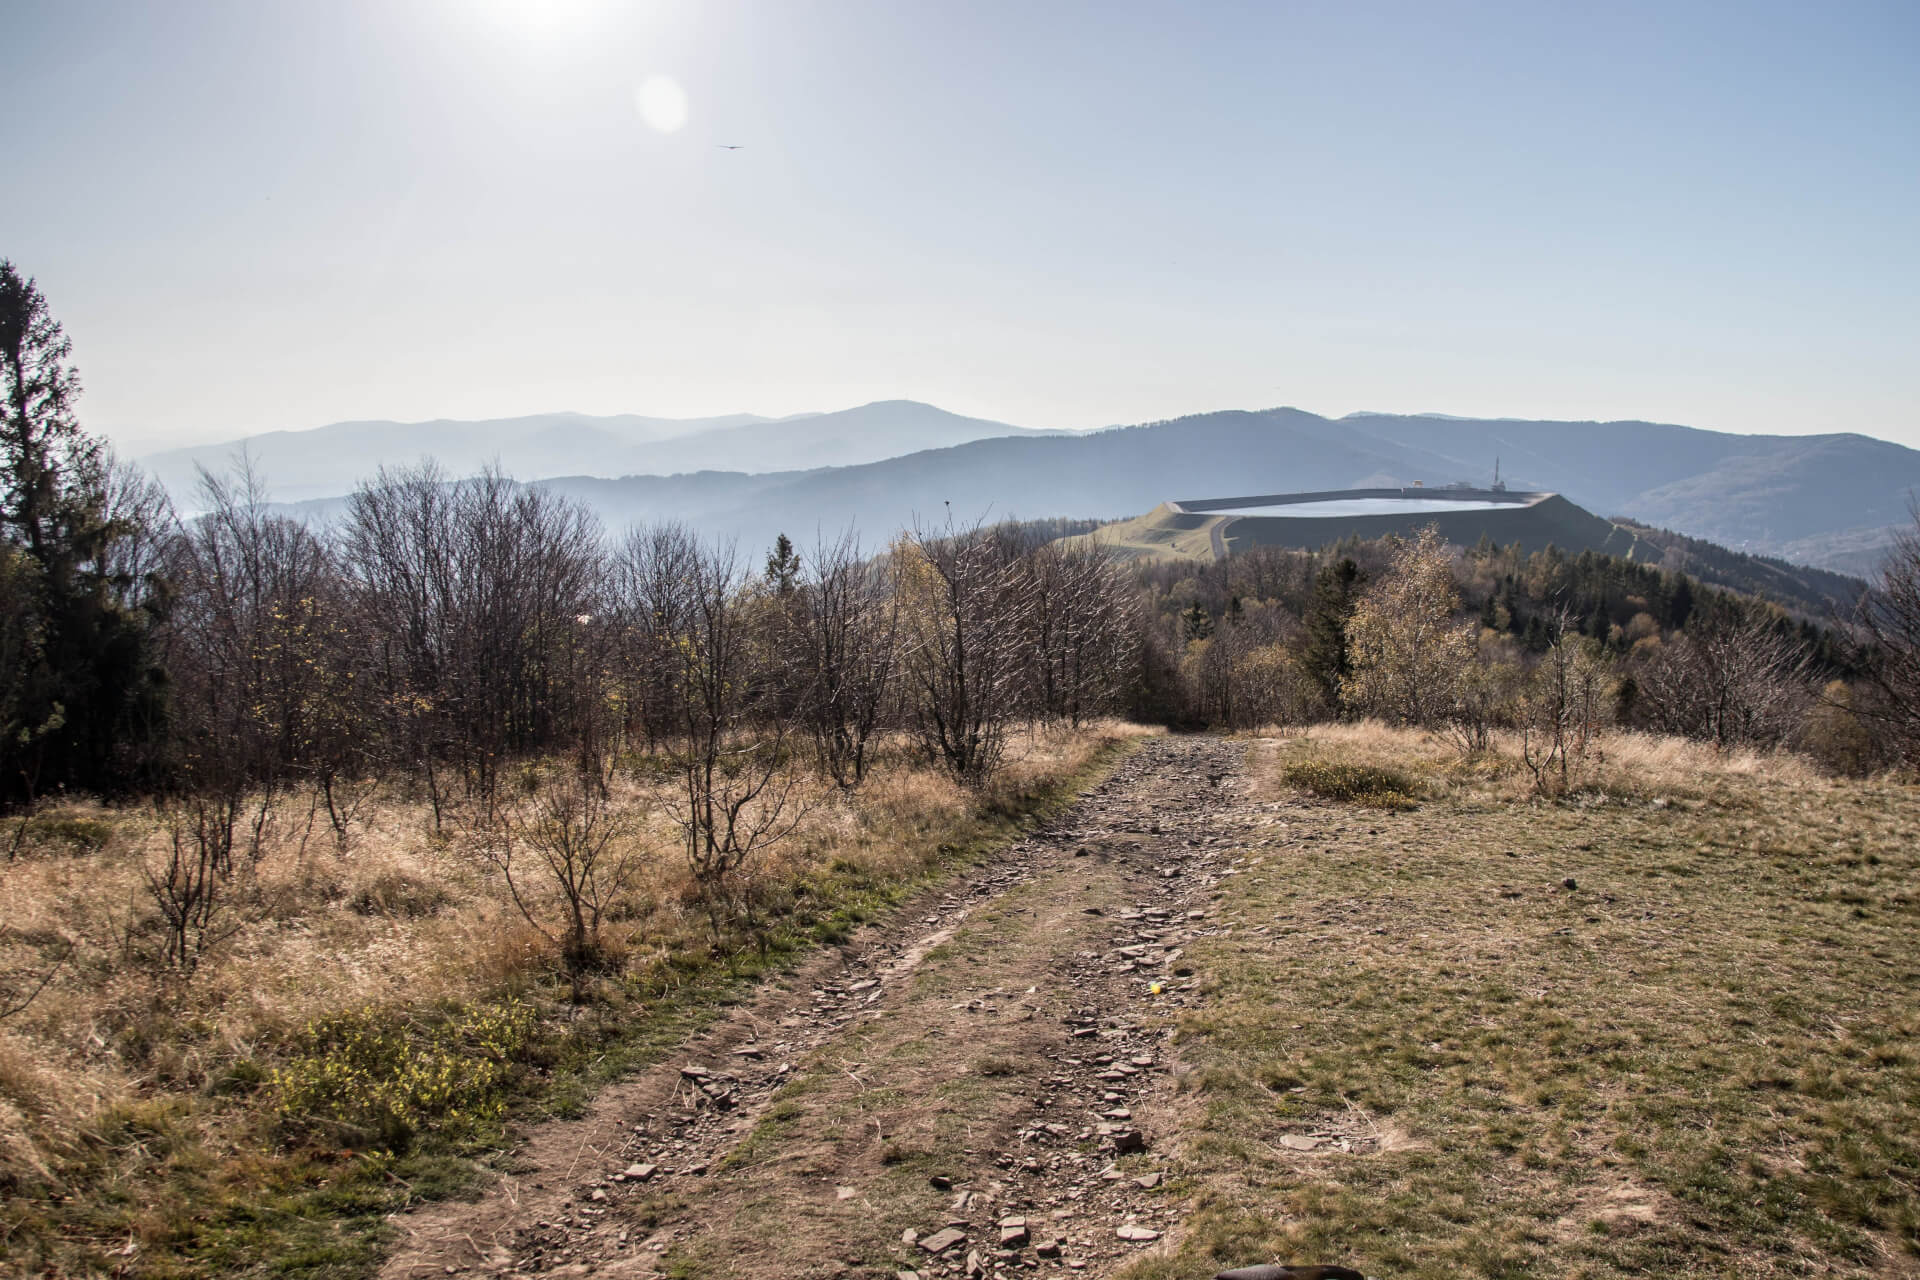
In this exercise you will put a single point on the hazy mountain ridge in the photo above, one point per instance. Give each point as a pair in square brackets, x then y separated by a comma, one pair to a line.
[1827, 501]
[329, 461]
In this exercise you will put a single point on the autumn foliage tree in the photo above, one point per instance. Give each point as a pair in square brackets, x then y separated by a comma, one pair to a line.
[1407, 655]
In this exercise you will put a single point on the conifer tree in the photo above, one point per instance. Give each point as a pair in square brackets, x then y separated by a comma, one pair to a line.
[83, 694]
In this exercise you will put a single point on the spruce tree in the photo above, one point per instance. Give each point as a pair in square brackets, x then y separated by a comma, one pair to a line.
[82, 693]
[1336, 590]
[783, 566]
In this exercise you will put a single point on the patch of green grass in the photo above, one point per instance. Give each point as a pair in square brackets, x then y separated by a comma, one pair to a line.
[71, 832]
[367, 1079]
[1354, 783]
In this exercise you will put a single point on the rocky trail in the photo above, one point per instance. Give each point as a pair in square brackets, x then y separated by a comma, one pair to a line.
[981, 1086]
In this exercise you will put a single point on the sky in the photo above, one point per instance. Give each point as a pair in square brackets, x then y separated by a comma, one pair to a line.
[268, 215]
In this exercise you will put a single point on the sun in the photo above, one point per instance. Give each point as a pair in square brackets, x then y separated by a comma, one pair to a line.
[662, 104]
[544, 16]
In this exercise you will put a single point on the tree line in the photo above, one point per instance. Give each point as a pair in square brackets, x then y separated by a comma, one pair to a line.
[448, 628]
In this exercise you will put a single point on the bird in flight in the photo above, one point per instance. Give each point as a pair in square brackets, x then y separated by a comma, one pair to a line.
[729, 146]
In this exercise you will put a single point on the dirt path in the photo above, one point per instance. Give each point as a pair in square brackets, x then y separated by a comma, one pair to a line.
[981, 1086]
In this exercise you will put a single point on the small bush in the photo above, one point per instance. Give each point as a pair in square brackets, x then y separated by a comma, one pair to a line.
[1354, 784]
[65, 832]
[395, 893]
[374, 1078]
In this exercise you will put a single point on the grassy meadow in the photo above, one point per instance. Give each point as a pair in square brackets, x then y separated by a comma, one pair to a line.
[1664, 1026]
[376, 1013]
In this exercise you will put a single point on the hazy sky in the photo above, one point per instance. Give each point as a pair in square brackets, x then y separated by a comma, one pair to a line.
[259, 215]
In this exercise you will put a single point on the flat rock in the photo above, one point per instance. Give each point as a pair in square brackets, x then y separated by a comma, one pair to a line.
[1136, 1234]
[942, 1240]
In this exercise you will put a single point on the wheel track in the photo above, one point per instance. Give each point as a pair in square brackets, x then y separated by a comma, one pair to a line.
[1160, 826]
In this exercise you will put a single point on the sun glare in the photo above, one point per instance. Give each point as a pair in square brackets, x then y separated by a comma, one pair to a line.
[662, 104]
[544, 16]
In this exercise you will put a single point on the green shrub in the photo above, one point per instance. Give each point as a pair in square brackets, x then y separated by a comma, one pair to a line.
[374, 1078]
[1354, 784]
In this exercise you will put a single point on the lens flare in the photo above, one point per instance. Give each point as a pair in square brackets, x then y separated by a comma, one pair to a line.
[662, 104]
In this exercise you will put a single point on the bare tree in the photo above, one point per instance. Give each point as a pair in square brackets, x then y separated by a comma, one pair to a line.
[1078, 628]
[650, 607]
[963, 599]
[485, 584]
[398, 552]
[1564, 704]
[848, 648]
[1733, 678]
[248, 643]
[736, 795]
[1888, 621]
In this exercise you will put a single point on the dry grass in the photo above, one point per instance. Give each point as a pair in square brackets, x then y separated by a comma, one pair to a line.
[137, 1108]
[1664, 1026]
[1616, 767]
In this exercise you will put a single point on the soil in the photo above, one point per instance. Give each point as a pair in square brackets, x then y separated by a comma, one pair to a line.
[982, 1085]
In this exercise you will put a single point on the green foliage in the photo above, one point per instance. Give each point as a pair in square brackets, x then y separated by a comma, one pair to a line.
[1336, 590]
[78, 690]
[374, 1078]
[1354, 784]
[783, 566]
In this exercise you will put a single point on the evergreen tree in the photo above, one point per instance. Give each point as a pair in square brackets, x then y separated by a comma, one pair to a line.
[1679, 601]
[83, 695]
[1195, 622]
[1336, 590]
[783, 566]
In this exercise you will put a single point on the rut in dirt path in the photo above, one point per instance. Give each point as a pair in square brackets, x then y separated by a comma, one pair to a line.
[980, 1086]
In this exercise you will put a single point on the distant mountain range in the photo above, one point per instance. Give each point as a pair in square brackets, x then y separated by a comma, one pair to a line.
[331, 460]
[1827, 500]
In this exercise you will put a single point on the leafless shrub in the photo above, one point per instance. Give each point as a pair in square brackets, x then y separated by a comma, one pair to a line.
[190, 882]
[1564, 705]
[1732, 678]
[571, 839]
